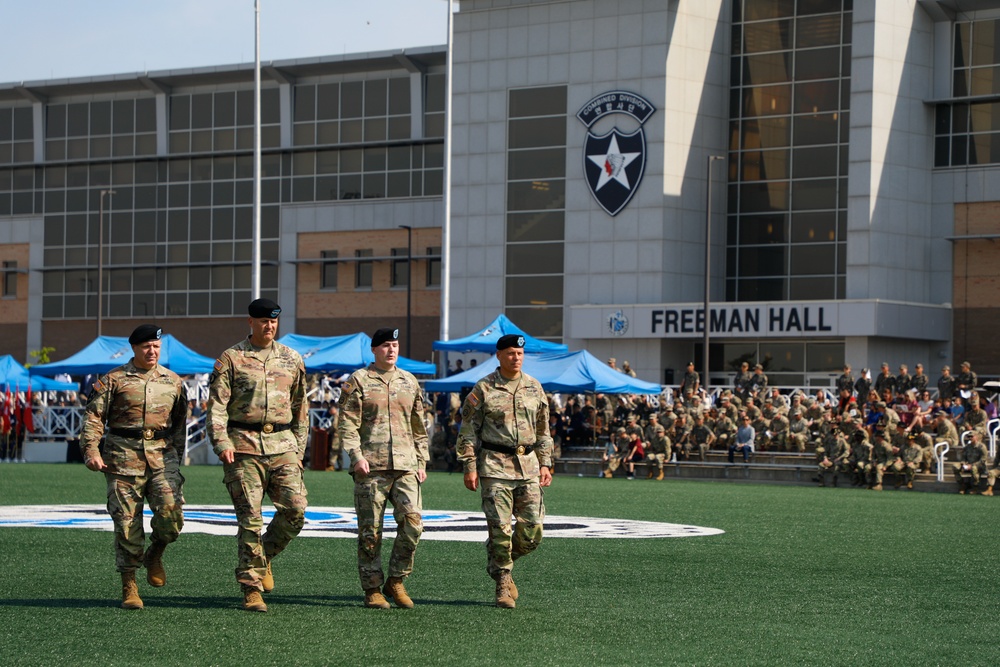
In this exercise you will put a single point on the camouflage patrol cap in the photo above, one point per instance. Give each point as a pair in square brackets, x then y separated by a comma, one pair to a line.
[263, 308]
[510, 340]
[756, 366]
[620, 429]
[384, 335]
[143, 333]
[659, 429]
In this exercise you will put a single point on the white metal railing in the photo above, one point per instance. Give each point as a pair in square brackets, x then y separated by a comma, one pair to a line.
[940, 449]
[196, 435]
[57, 422]
[992, 426]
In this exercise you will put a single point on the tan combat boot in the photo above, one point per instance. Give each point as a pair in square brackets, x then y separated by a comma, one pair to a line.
[607, 473]
[268, 581]
[504, 598]
[153, 562]
[660, 476]
[988, 491]
[877, 487]
[513, 587]
[650, 474]
[395, 590]
[130, 592]
[375, 600]
[252, 599]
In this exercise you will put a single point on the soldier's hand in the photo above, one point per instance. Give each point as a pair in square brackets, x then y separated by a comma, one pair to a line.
[471, 480]
[227, 455]
[96, 463]
[362, 467]
[544, 476]
[421, 476]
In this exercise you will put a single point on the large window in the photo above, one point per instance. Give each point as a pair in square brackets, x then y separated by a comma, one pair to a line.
[786, 363]
[967, 129]
[16, 133]
[536, 203]
[789, 119]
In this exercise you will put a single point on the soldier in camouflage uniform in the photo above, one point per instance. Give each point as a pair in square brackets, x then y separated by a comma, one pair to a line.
[504, 444]
[883, 458]
[381, 426]
[846, 381]
[798, 431]
[972, 464]
[701, 436]
[657, 451]
[834, 459]
[145, 408]
[912, 457]
[690, 384]
[860, 462]
[258, 419]
[976, 418]
[966, 381]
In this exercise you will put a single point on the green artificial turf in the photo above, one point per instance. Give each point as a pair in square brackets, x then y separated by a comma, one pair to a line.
[801, 576]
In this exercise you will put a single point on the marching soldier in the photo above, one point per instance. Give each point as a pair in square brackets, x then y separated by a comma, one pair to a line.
[504, 446]
[145, 408]
[382, 428]
[258, 419]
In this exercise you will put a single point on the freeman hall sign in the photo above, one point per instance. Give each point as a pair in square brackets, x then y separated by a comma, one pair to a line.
[814, 319]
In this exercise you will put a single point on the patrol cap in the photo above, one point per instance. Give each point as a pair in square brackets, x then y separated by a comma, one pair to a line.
[620, 429]
[263, 308]
[756, 366]
[384, 335]
[510, 340]
[658, 429]
[966, 364]
[880, 404]
[143, 333]
[946, 368]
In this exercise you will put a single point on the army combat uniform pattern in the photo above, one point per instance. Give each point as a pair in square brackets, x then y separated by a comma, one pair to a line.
[381, 421]
[146, 414]
[509, 414]
[257, 408]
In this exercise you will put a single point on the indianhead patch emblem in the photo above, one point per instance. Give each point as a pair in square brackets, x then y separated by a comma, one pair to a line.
[613, 162]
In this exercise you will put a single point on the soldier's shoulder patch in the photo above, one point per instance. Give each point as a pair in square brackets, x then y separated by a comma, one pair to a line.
[101, 384]
[467, 410]
[218, 365]
[472, 399]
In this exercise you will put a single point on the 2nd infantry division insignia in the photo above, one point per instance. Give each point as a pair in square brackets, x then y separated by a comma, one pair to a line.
[614, 162]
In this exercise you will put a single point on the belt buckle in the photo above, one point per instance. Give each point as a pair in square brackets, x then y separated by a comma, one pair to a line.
[147, 434]
[520, 450]
[268, 428]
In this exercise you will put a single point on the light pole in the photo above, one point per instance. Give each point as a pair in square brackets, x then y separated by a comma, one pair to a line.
[100, 261]
[706, 324]
[409, 284]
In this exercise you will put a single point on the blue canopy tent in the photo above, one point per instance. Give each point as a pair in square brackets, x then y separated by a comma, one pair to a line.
[107, 352]
[14, 376]
[333, 354]
[486, 340]
[571, 372]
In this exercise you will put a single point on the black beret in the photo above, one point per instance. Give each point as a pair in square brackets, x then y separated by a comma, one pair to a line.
[383, 335]
[510, 340]
[264, 308]
[145, 332]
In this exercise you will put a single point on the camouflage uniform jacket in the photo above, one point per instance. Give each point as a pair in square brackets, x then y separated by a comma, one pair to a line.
[510, 413]
[975, 420]
[882, 453]
[919, 383]
[840, 451]
[658, 444]
[258, 386]
[861, 452]
[946, 431]
[128, 397]
[913, 453]
[381, 420]
[975, 454]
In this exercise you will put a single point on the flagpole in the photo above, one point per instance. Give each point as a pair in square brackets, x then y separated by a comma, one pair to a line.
[255, 257]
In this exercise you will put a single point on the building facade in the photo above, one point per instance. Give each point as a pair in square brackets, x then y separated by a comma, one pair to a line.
[828, 168]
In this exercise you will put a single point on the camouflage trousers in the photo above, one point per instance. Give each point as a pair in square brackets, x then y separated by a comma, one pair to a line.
[879, 469]
[655, 459]
[975, 472]
[503, 499]
[126, 494]
[401, 488]
[247, 479]
[797, 442]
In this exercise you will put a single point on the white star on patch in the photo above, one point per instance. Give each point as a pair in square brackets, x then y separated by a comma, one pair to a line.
[613, 165]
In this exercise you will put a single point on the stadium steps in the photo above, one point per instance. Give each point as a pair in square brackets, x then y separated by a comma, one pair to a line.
[766, 467]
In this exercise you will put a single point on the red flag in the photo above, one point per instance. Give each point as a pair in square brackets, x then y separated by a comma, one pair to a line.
[29, 417]
[5, 427]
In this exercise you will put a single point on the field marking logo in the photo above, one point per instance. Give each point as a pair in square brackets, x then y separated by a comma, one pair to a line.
[614, 162]
[342, 522]
[618, 323]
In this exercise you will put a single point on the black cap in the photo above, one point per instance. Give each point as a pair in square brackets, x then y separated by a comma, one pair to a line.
[145, 332]
[264, 308]
[383, 335]
[510, 340]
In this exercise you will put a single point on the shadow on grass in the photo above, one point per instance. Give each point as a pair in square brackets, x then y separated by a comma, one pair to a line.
[215, 602]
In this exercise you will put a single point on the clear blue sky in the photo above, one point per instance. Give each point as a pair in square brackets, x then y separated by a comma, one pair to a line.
[54, 39]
